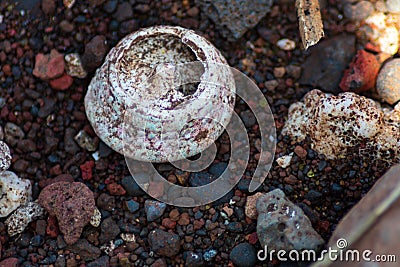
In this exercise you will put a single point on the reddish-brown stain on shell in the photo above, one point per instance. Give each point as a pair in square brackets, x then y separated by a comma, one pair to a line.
[136, 107]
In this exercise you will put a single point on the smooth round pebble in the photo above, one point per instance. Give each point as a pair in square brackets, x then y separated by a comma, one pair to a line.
[286, 44]
[243, 255]
[388, 82]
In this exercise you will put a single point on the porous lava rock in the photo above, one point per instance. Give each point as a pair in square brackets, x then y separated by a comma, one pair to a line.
[72, 203]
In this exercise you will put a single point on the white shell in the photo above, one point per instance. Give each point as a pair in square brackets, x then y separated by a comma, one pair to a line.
[149, 119]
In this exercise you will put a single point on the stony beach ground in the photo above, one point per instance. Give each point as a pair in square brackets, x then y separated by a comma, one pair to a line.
[43, 121]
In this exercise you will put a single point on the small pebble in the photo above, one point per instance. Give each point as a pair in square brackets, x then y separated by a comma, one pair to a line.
[243, 255]
[131, 187]
[128, 237]
[154, 209]
[250, 208]
[74, 66]
[193, 259]
[388, 82]
[358, 11]
[95, 220]
[286, 44]
[279, 72]
[164, 243]
[85, 141]
[132, 205]
[20, 219]
[284, 161]
[393, 6]
[209, 254]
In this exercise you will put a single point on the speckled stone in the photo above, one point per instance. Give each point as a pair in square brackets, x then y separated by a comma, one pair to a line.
[20, 219]
[14, 191]
[281, 225]
[5, 156]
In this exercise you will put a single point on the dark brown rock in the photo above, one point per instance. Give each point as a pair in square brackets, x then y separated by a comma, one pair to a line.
[109, 230]
[94, 53]
[87, 251]
[106, 202]
[48, 6]
[124, 12]
[164, 243]
[69, 144]
[327, 61]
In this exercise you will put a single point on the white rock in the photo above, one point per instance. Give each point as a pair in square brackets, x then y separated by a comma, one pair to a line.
[389, 40]
[18, 221]
[336, 123]
[128, 237]
[284, 161]
[5, 156]
[96, 218]
[286, 44]
[382, 32]
[74, 66]
[108, 247]
[14, 192]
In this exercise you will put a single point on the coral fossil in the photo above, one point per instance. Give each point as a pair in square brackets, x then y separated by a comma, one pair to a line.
[136, 107]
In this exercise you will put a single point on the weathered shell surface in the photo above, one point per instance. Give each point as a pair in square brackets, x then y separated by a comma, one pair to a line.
[135, 108]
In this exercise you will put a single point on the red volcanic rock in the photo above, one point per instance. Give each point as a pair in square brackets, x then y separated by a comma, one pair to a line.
[116, 189]
[52, 227]
[62, 83]
[49, 66]
[72, 203]
[86, 169]
[361, 74]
